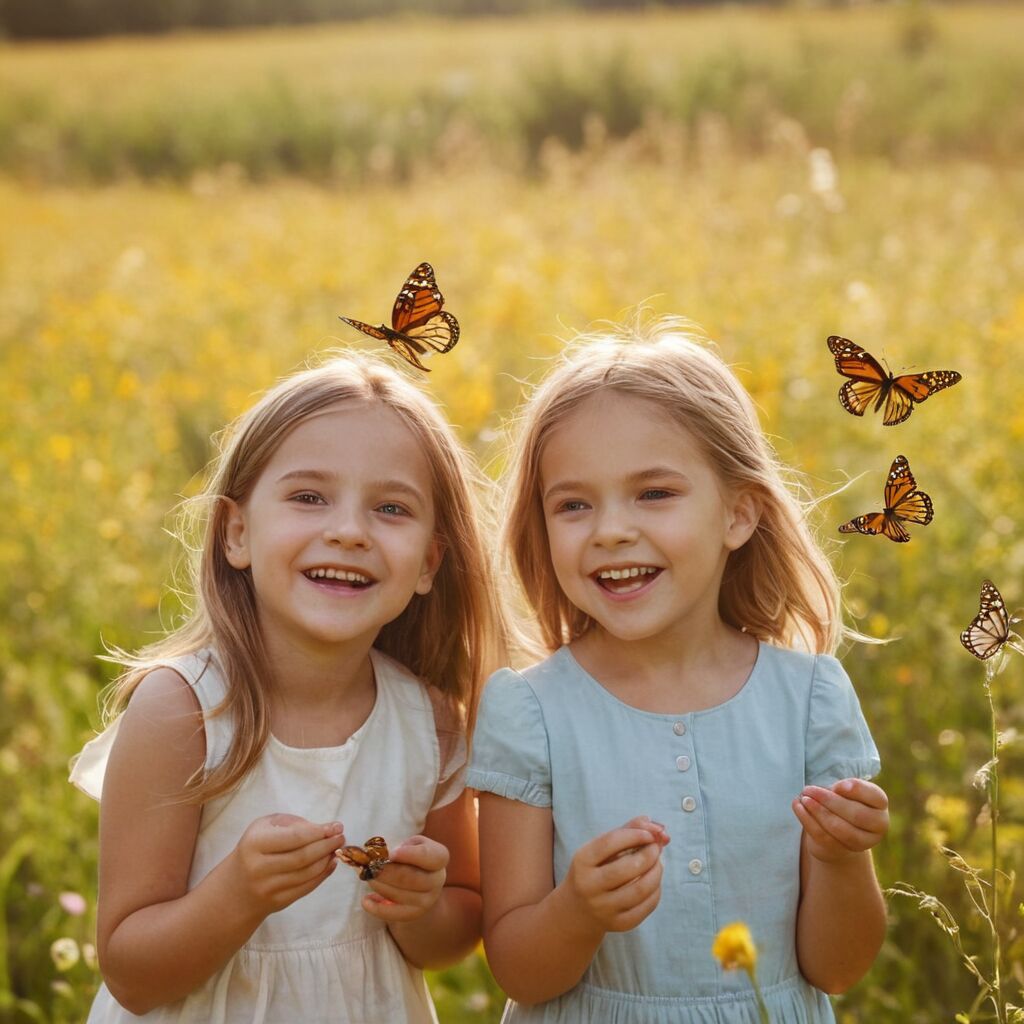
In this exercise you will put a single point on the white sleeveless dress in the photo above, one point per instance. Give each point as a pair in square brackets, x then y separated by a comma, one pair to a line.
[322, 959]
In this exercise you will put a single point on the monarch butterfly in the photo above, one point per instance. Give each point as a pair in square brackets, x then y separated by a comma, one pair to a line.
[418, 324]
[369, 858]
[870, 383]
[990, 629]
[903, 504]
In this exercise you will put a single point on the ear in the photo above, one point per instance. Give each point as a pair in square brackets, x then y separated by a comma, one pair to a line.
[743, 516]
[431, 563]
[236, 535]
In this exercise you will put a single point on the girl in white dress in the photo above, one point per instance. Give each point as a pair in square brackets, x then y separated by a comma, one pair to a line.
[317, 696]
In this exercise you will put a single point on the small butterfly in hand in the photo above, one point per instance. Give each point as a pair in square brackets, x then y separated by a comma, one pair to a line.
[369, 859]
[418, 324]
[989, 630]
[870, 383]
[903, 504]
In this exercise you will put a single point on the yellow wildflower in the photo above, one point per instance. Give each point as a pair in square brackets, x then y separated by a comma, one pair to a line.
[734, 948]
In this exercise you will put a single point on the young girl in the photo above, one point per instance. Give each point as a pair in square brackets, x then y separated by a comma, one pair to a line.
[317, 697]
[671, 574]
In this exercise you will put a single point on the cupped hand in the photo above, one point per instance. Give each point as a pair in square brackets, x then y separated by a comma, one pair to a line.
[411, 883]
[614, 881]
[849, 817]
[282, 857]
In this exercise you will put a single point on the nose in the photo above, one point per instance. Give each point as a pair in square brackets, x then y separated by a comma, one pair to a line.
[346, 528]
[613, 528]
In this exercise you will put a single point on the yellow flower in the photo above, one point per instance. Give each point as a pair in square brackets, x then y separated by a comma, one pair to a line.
[734, 948]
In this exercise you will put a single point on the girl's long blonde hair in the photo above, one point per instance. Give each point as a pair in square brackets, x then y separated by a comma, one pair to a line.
[779, 586]
[451, 637]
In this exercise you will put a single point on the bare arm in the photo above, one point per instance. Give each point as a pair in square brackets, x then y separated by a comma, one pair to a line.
[158, 941]
[430, 893]
[841, 920]
[540, 938]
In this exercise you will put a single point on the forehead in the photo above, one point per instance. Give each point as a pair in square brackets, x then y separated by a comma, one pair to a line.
[350, 438]
[616, 431]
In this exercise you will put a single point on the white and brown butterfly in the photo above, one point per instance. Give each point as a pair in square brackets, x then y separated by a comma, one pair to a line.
[869, 382]
[903, 504]
[369, 859]
[418, 324]
[990, 630]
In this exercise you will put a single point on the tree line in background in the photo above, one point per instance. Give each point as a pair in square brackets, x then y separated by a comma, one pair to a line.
[28, 19]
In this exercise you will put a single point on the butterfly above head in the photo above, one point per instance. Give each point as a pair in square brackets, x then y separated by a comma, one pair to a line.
[870, 383]
[418, 324]
[903, 504]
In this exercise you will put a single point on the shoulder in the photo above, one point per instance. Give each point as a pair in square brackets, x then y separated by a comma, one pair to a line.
[801, 671]
[161, 736]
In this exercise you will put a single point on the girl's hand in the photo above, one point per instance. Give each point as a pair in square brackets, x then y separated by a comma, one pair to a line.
[411, 884]
[850, 817]
[615, 879]
[282, 857]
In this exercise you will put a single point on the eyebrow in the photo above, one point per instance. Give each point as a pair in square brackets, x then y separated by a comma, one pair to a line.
[401, 486]
[641, 476]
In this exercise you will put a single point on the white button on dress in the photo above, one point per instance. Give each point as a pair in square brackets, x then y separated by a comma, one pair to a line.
[689, 803]
[679, 728]
[696, 866]
[683, 763]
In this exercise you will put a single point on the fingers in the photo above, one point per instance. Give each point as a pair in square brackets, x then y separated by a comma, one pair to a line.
[421, 852]
[829, 829]
[844, 801]
[862, 791]
[610, 845]
[279, 833]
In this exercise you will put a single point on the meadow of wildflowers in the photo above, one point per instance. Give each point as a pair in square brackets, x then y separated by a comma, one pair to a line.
[137, 317]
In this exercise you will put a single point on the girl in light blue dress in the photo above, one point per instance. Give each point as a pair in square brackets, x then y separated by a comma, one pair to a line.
[689, 754]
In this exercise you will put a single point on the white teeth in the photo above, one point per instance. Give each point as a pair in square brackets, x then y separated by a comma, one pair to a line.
[338, 574]
[622, 574]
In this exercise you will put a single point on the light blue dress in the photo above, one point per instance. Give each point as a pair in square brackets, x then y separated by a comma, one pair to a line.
[722, 781]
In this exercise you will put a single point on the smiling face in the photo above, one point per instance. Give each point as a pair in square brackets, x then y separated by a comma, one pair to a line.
[338, 530]
[638, 524]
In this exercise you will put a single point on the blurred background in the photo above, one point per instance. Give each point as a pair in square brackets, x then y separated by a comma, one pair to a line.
[191, 193]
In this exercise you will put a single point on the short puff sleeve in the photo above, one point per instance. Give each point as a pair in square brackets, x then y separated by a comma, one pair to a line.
[839, 743]
[510, 744]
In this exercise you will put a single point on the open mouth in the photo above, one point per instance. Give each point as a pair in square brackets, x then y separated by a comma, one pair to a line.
[627, 579]
[339, 579]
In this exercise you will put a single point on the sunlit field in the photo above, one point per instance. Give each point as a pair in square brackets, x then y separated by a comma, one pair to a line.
[137, 318]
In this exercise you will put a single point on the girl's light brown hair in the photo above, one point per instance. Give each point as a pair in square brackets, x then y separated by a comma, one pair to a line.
[451, 637]
[779, 586]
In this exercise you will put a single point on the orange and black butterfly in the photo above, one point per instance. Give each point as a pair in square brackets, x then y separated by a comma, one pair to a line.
[903, 504]
[369, 858]
[990, 629]
[870, 383]
[418, 324]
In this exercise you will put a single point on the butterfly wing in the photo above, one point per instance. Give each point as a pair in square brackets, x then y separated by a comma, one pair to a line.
[990, 628]
[915, 387]
[418, 301]
[374, 332]
[370, 858]
[440, 332]
[873, 523]
[868, 381]
[902, 499]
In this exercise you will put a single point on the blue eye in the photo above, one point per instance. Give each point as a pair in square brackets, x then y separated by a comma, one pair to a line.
[392, 508]
[655, 493]
[571, 506]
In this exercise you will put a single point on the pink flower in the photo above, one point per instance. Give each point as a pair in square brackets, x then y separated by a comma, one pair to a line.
[73, 903]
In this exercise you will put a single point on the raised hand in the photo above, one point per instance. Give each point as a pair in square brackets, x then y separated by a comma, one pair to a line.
[282, 857]
[411, 883]
[848, 818]
[614, 881]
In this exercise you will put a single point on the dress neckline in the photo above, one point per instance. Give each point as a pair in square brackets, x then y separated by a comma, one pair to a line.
[663, 716]
[342, 749]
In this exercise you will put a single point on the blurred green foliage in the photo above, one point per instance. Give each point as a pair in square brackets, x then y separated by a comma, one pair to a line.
[373, 101]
